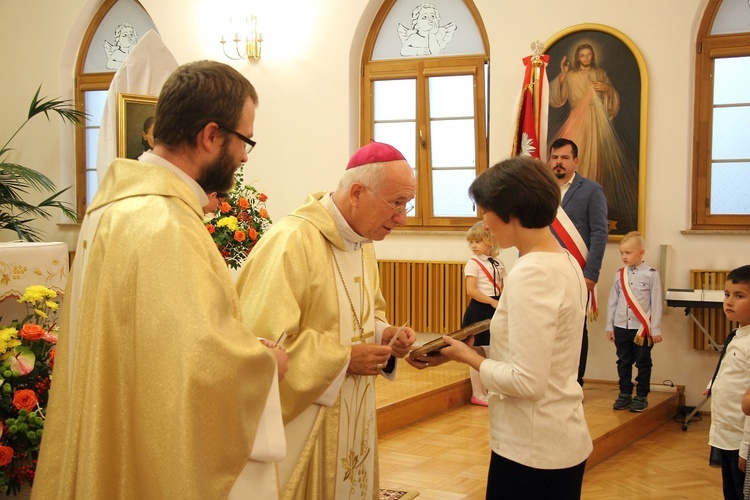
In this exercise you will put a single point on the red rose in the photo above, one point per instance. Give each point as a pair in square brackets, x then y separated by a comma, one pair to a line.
[262, 197]
[32, 332]
[211, 229]
[6, 455]
[25, 399]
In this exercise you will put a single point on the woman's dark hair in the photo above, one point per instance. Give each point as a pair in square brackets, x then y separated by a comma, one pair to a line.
[520, 187]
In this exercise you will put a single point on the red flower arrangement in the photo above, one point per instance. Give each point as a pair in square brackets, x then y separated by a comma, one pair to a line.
[27, 353]
[239, 222]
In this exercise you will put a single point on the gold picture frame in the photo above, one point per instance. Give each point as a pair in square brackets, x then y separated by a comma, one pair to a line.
[132, 113]
[620, 146]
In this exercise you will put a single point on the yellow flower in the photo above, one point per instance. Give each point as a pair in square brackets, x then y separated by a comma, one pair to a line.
[40, 313]
[8, 333]
[52, 305]
[230, 222]
[8, 340]
[37, 293]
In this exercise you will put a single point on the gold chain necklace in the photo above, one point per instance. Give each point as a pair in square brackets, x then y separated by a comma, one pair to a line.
[359, 320]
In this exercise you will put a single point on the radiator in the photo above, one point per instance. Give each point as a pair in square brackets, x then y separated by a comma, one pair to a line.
[431, 296]
[713, 320]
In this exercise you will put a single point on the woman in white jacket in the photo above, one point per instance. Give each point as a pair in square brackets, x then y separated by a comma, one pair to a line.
[538, 434]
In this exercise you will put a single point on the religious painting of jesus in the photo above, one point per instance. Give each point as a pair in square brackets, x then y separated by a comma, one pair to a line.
[598, 99]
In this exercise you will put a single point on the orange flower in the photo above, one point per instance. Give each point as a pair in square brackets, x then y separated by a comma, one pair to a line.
[225, 207]
[262, 197]
[239, 236]
[25, 399]
[32, 332]
[253, 234]
[263, 213]
[211, 229]
[6, 455]
[243, 203]
[52, 358]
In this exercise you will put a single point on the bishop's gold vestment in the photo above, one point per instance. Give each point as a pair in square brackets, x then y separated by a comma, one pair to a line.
[290, 283]
[167, 386]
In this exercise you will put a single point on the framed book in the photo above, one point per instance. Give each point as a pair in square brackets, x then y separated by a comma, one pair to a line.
[439, 343]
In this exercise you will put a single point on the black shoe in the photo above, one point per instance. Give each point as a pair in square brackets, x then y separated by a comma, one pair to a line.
[640, 403]
[623, 402]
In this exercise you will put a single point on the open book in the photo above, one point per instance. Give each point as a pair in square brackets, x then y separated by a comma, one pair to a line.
[439, 343]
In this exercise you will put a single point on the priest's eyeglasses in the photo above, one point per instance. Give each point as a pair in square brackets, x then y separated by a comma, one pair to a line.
[249, 143]
[398, 207]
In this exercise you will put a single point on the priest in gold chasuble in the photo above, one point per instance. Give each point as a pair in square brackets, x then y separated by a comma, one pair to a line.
[314, 276]
[159, 389]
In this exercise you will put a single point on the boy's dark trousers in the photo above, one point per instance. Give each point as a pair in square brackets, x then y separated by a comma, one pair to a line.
[732, 478]
[628, 353]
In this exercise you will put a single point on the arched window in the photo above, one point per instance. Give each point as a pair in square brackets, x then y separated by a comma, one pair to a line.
[113, 32]
[424, 90]
[721, 149]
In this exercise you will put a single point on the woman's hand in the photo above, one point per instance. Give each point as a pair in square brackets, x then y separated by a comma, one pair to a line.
[463, 353]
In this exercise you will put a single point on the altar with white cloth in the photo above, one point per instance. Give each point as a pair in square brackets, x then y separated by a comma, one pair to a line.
[24, 264]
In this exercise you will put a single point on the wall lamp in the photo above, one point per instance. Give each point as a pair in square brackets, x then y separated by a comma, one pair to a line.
[247, 40]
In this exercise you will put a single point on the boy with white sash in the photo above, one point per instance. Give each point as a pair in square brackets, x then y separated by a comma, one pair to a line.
[633, 321]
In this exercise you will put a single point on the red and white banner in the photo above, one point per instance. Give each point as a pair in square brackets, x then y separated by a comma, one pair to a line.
[531, 110]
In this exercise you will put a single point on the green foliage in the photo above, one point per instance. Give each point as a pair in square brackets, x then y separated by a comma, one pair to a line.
[16, 180]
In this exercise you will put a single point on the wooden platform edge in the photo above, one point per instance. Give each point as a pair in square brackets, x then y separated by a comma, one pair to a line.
[623, 436]
[407, 412]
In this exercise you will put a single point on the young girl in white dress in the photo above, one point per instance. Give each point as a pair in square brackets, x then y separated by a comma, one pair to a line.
[484, 283]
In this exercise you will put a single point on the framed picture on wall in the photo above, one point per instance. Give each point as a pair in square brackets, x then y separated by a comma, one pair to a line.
[135, 124]
[598, 90]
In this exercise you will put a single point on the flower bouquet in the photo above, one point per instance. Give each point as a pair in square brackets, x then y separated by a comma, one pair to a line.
[239, 222]
[27, 355]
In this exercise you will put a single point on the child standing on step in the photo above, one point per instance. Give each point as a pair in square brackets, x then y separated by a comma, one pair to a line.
[633, 321]
[484, 283]
[730, 429]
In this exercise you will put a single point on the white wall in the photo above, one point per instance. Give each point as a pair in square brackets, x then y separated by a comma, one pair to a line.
[306, 122]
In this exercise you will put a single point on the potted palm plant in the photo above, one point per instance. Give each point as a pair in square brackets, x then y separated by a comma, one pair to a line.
[16, 214]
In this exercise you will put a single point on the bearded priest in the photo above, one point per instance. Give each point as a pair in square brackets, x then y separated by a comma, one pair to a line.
[159, 390]
[314, 276]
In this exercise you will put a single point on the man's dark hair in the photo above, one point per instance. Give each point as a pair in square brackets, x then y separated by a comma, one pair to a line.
[741, 275]
[196, 94]
[562, 142]
[520, 187]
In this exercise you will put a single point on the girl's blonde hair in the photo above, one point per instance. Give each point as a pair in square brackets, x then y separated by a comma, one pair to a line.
[478, 233]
